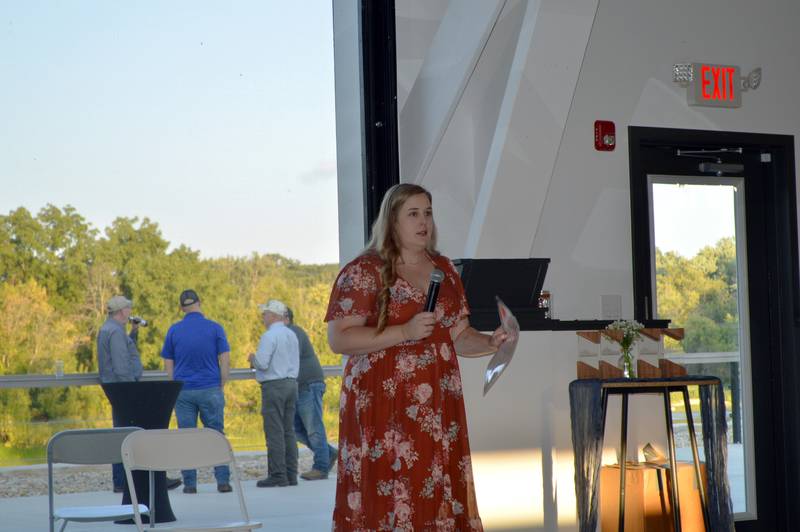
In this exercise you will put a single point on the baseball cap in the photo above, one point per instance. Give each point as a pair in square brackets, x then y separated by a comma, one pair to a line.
[274, 306]
[189, 297]
[118, 303]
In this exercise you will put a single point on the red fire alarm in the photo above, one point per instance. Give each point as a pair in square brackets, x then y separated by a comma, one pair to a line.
[605, 137]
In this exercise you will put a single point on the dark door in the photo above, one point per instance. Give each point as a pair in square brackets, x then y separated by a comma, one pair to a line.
[740, 291]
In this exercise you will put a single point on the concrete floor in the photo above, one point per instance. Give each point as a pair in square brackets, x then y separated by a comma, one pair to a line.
[306, 507]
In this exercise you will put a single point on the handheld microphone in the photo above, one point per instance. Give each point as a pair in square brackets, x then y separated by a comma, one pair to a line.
[433, 289]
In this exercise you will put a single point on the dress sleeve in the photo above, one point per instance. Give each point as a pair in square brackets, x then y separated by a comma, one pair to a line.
[463, 307]
[355, 292]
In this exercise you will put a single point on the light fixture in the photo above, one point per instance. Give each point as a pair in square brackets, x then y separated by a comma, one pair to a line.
[752, 80]
[682, 73]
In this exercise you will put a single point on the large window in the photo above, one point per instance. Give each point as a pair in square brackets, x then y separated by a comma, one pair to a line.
[145, 148]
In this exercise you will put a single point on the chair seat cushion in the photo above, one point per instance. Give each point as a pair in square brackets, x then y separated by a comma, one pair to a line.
[87, 514]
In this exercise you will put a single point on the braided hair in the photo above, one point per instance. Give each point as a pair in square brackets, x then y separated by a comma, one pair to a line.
[386, 245]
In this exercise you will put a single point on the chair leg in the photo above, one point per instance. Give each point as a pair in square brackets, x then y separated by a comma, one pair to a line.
[151, 516]
[63, 526]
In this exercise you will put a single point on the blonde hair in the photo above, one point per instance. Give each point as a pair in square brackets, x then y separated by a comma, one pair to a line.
[385, 244]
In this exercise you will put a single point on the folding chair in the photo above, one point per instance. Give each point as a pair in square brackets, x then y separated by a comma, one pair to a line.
[87, 446]
[163, 449]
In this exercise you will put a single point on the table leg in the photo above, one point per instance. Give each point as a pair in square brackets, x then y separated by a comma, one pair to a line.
[695, 456]
[673, 463]
[604, 410]
[623, 444]
[662, 497]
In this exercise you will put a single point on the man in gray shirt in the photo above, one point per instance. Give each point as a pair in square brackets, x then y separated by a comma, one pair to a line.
[276, 363]
[308, 425]
[117, 355]
[118, 360]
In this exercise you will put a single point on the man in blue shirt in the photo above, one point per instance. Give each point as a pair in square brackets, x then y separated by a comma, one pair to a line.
[277, 362]
[196, 352]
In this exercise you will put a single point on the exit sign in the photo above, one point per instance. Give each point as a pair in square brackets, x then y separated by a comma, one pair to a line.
[715, 85]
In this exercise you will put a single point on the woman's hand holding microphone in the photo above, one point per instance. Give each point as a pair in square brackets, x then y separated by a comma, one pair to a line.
[418, 327]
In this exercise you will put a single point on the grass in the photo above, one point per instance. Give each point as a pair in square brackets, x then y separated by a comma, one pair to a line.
[694, 402]
[243, 424]
[16, 457]
[249, 436]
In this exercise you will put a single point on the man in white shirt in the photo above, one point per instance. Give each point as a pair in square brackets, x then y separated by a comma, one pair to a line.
[277, 363]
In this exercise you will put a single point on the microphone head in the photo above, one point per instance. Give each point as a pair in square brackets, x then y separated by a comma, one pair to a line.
[437, 276]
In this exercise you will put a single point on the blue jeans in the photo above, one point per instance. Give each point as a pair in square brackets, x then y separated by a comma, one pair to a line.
[117, 470]
[209, 403]
[118, 475]
[308, 424]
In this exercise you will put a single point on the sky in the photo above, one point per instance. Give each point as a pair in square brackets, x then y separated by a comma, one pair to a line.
[214, 119]
[688, 218]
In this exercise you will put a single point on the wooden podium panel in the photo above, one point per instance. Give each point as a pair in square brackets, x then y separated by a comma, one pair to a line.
[647, 506]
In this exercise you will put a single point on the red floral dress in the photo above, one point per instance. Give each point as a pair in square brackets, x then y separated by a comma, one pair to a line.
[404, 461]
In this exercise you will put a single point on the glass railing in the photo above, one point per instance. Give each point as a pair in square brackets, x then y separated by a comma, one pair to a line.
[24, 432]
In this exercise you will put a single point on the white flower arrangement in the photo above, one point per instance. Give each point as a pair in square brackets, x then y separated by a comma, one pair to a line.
[626, 333]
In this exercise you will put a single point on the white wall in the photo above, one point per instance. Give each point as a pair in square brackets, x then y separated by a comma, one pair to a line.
[516, 175]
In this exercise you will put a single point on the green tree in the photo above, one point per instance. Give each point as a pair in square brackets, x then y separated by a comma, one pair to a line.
[701, 295]
[33, 335]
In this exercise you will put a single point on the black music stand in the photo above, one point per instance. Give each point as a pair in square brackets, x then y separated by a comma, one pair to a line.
[518, 282]
[147, 405]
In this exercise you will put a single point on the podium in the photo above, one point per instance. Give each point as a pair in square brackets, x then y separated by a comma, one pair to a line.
[147, 405]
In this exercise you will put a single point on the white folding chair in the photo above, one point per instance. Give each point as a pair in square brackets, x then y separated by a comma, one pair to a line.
[87, 446]
[163, 449]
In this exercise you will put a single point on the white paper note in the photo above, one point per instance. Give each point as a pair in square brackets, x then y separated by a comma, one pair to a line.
[502, 358]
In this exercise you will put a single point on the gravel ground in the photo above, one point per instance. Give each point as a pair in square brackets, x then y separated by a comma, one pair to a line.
[29, 481]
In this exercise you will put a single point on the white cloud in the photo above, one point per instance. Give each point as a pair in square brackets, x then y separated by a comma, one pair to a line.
[322, 171]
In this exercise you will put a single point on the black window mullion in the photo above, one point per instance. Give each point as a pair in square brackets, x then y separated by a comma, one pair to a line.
[379, 67]
[643, 307]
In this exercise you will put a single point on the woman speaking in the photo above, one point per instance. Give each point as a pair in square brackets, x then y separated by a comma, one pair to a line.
[404, 459]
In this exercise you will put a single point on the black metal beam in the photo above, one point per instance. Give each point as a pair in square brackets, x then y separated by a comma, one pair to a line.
[379, 67]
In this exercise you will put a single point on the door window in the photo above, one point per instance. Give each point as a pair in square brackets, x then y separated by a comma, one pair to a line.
[699, 281]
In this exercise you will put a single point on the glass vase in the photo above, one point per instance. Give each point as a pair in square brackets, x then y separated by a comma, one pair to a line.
[626, 364]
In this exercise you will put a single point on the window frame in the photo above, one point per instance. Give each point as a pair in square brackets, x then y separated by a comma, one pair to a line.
[776, 330]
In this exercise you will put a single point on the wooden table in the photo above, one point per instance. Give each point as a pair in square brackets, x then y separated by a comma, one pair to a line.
[588, 409]
[628, 387]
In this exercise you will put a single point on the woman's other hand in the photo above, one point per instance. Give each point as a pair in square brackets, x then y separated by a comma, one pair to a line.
[499, 336]
[419, 327]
